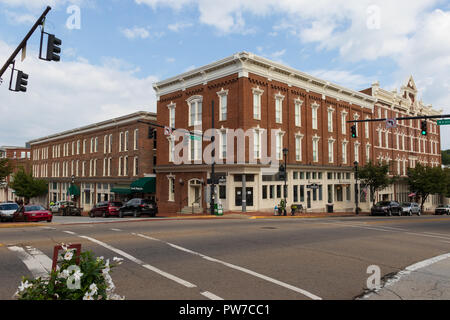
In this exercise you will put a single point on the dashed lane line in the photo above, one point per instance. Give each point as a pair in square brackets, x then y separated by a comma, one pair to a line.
[141, 263]
[245, 270]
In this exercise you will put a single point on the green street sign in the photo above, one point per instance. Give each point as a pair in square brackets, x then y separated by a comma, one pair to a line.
[443, 122]
[196, 138]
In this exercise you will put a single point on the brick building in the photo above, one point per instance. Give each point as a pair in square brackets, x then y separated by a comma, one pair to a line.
[260, 96]
[104, 159]
[19, 158]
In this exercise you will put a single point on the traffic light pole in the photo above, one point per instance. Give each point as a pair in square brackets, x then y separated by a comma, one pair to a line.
[39, 22]
[403, 118]
[213, 186]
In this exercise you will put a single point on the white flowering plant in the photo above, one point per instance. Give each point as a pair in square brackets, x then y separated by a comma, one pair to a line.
[90, 279]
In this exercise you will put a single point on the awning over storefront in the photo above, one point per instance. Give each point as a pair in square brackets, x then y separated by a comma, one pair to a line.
[73, 190]
[144, 185]
[121, 190]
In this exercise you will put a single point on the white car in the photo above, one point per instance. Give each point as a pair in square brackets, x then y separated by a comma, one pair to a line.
[7, 211]
[59, 205]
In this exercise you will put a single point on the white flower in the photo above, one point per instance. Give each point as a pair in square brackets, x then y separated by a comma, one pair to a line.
[68, 256]
[93, 288]
[64, 274]
[64, 246]
[100, 259]
[118, 260]
[106, 270]
[115, 297]
[77, 275]
[88, 296]
[24, 285]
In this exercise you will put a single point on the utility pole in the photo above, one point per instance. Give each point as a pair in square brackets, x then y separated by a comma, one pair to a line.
[356, 187]
[40, 21]
[213, 186]
[285, 152]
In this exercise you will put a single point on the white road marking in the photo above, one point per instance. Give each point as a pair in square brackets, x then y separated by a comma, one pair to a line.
[70, 232]
[139, 262]
[118, 230]
[245, 270]
[408, 270]
[210, 296]
[38, 264]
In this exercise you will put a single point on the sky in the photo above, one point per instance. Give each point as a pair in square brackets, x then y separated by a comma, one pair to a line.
[114, 50]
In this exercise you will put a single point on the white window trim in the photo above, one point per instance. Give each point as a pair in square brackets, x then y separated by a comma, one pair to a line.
[298, 103]
[194, 99]
[331, 142]
[315, 107]
[298, 151]
[223, 93]
[172, 107]
[330, 119]
[279, 98]
[257, 92]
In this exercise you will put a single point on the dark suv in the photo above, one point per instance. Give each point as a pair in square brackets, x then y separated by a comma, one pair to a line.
[136, 207]
[105, 209]
[386, 208]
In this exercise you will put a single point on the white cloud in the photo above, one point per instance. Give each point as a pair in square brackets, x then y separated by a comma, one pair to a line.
[67, 95]
[16, 18]
[135, 32]
[344, 78]
[176, 27]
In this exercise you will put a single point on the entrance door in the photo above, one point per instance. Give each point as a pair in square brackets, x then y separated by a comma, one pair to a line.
[308, 199]
[238, 197]
[249, 197]
[197, 196]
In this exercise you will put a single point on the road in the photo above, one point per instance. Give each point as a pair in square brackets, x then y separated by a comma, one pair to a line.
[238, 259]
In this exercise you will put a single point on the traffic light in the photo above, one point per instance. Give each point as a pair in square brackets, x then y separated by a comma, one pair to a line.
[423, 126]
[151, 133]
[21, 82]
[53, 48]
[353, 130]
[282, 172]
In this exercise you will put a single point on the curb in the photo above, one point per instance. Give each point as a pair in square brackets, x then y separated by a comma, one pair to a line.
[17, 225]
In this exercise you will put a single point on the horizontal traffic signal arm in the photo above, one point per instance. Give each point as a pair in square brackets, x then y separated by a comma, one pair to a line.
[402, 118]
[39, 22]
[173, 129]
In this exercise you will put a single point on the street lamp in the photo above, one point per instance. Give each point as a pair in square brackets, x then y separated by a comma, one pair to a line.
[285, 152]
[356, 187]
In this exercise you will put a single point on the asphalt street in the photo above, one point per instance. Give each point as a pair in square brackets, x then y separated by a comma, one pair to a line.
[237, 259]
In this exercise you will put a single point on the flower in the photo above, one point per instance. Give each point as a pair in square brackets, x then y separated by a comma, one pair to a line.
[93, 288]
[64, 246]
[115, 297]
[68, 256]
[118, 260]
[64, 274]
[99, 259]
[77, 275]
[88, 296]
[24, 285]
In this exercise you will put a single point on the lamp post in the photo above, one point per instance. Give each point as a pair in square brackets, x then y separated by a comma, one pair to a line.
[285, 152]
[356, 187]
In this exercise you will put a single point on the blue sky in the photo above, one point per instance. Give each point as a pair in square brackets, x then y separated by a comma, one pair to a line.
[123, 46]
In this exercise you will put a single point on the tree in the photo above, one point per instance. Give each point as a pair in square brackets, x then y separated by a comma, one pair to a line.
[5, 169]
[376, 177]
[424, 181]
[28, 187]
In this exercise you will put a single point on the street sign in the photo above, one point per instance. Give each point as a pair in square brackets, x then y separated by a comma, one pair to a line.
[391, 123]
[196, 138]
[313, 186]
[443, 122]
[167, 131]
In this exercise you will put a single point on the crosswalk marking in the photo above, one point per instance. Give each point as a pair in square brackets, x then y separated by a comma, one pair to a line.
[37, 262]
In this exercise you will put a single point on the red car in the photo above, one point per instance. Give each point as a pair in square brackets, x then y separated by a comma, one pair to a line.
[33, 213]
[105, 209]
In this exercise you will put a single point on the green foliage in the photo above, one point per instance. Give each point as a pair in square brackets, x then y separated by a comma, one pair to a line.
[95, 283]
[376, 177]
[28, 187]
[428, 180]
[445, 157]
[5, 169]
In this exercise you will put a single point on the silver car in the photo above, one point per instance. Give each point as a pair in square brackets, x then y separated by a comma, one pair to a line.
[410, 208]
[7, 211]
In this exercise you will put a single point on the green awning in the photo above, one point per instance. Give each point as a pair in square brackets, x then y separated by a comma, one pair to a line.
[73, 190]
[144, 185]
[121, 190]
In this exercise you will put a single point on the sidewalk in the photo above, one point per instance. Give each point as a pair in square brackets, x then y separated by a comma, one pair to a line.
[426, 280]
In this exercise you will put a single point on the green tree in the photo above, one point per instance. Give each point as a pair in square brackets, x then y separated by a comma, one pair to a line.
[376, 177]
[424, 181]
[445, 157]
[5, 169]
[28, 187]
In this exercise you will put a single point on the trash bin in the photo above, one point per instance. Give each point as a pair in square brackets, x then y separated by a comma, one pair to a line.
[329, 208]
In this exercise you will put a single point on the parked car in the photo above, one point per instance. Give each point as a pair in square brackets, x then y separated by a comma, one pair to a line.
[7, 211]
[60, 205]
[136, 207]
[386, 208]
[410, 208]
[33, 213]
[105, 209]
[442, 209]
